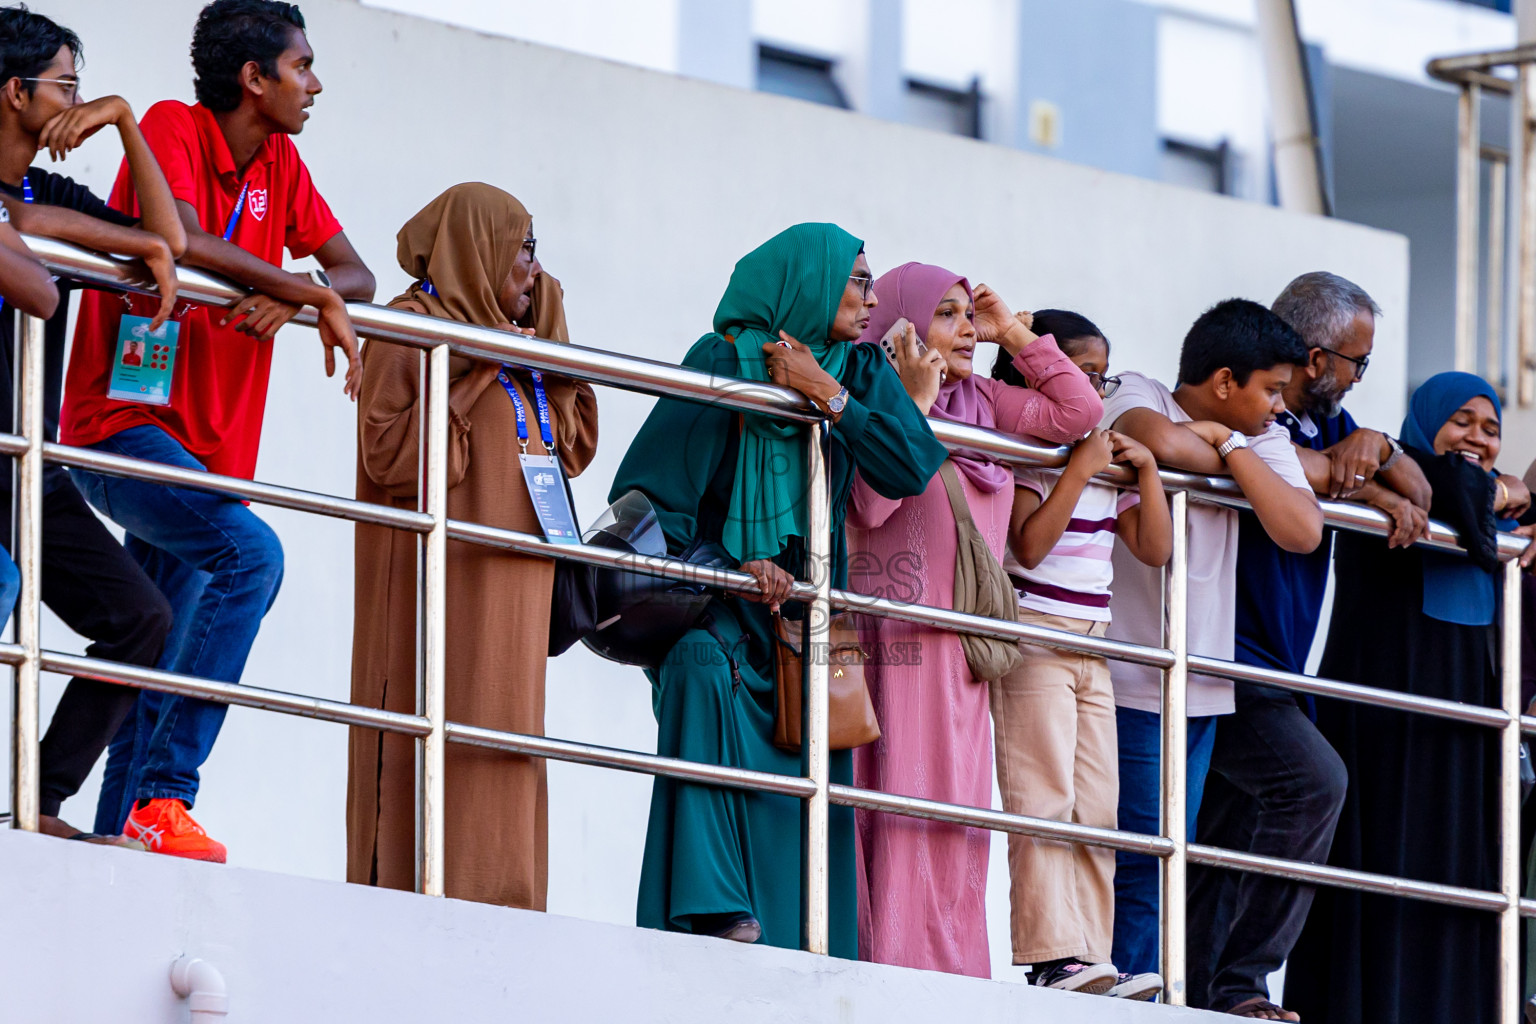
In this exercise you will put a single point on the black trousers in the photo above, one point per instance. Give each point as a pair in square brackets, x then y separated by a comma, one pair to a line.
[1276, 787]
[96, 587]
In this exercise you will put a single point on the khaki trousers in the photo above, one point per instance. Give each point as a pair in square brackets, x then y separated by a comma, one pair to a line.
[1057, 758]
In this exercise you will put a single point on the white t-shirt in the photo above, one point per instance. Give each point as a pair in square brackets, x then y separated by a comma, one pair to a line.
[1074, 579]
[1137, 602]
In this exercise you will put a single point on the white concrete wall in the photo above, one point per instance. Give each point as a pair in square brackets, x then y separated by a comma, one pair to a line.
[103, 927]
[645, 188]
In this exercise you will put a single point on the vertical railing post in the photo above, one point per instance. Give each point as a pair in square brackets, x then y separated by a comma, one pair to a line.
[430, 875]
[817, 757]
[25, 726]
[1498, 200]
[1509, 801]
[1468, 216]
[1174, 757]
[1522, 383]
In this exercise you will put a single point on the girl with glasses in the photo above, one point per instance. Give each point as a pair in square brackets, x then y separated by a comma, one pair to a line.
[1054, 715]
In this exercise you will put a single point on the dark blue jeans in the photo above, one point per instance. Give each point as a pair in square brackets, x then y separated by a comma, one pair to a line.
[1136, 874]
[220, 567]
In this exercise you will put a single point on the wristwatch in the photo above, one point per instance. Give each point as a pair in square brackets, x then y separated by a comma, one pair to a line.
[1232, 444]
[838, 402]
[319, 277]
[1397, 453]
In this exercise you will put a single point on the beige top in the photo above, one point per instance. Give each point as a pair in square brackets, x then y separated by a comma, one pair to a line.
[1137, 602]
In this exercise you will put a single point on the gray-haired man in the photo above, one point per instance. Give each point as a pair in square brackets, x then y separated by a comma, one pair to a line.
[1275, 785]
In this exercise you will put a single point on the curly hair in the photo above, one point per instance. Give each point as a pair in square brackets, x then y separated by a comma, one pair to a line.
[29, 42]
[231, 34]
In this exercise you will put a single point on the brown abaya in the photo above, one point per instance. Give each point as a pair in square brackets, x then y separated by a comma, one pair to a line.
[465, 242]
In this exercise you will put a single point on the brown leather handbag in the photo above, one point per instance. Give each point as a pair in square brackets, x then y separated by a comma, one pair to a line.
[850, 712]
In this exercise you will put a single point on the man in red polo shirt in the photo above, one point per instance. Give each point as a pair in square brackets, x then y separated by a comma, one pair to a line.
[198, 396]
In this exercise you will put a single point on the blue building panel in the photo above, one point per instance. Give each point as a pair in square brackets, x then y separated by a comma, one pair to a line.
[1096, 60]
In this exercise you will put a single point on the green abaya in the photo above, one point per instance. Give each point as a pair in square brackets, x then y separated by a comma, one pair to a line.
[713, 851]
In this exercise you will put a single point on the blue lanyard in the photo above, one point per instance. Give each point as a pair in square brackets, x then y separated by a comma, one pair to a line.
[234, 218]
[505, 377]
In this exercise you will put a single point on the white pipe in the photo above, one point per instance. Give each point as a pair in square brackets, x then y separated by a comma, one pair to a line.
[202, 986]
[1298, 166]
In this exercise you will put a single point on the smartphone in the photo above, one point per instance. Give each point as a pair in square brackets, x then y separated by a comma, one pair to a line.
[888, 346]
[888, 343]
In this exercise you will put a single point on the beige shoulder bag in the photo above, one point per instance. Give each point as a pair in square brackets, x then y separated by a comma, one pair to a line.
[981, 588]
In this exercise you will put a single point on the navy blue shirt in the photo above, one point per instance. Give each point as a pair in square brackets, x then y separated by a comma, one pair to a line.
[1280, 594]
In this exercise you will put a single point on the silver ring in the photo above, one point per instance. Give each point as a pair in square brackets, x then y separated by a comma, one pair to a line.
[1359, 476]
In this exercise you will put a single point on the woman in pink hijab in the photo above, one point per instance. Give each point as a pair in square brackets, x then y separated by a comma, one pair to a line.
[922, 884]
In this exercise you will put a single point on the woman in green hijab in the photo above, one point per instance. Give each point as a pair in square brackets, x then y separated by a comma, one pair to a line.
[722, 861]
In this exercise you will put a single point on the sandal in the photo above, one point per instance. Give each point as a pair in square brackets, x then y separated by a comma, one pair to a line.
[1263, 1009]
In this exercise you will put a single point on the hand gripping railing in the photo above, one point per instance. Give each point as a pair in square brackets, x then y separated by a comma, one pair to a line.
[433, 731]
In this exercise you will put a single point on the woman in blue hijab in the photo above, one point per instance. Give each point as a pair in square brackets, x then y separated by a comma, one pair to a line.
[1423, 792]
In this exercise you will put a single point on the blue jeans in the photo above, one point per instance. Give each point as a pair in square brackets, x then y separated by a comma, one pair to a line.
[1136, 874]
[220, 567]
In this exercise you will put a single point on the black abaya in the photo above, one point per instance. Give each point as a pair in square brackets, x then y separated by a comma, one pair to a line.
[1422, 800]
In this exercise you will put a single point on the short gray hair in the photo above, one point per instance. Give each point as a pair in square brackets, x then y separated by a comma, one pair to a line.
[1320, 305]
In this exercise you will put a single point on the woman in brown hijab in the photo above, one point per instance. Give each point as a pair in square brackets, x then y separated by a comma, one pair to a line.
[471, 255]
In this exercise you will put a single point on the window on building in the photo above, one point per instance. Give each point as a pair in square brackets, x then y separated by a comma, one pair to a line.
[800, 75]
[1208, 168]
[944, 109]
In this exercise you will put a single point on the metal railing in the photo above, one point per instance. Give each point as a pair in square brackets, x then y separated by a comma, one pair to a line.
[815, 788]
[1474, 74]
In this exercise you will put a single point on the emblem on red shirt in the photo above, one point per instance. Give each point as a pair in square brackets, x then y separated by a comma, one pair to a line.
[258, 203]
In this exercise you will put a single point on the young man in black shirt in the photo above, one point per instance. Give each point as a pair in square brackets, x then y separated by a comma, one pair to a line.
[88, 579]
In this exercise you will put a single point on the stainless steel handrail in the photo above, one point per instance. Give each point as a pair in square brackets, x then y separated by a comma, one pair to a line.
[319, 709]
[742, 583]
[659, 378]
[652, 377]
[1474, 68]
[738, 582]
[1473, 74]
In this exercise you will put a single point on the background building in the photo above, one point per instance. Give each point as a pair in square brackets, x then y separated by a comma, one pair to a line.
[1169, 90]
[1123, 169]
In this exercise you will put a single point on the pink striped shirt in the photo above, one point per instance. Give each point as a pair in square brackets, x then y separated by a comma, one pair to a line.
[1074, 579]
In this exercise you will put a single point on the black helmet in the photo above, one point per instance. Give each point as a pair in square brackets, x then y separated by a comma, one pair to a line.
[642, 617]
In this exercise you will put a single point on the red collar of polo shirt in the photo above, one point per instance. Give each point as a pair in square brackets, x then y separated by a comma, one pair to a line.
[216, 146]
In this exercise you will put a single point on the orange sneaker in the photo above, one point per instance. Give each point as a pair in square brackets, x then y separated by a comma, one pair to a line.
[164, 826]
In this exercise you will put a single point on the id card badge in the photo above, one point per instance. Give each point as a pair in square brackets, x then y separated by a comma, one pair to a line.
[144, 361]
[546, 486]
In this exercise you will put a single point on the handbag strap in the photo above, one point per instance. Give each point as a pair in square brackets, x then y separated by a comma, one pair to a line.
[957, 503]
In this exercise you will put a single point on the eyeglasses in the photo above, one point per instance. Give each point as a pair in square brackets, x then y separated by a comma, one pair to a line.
[1360, 364]
[69, 86]
[865, 283]
[530, 245]
[1105, 386]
